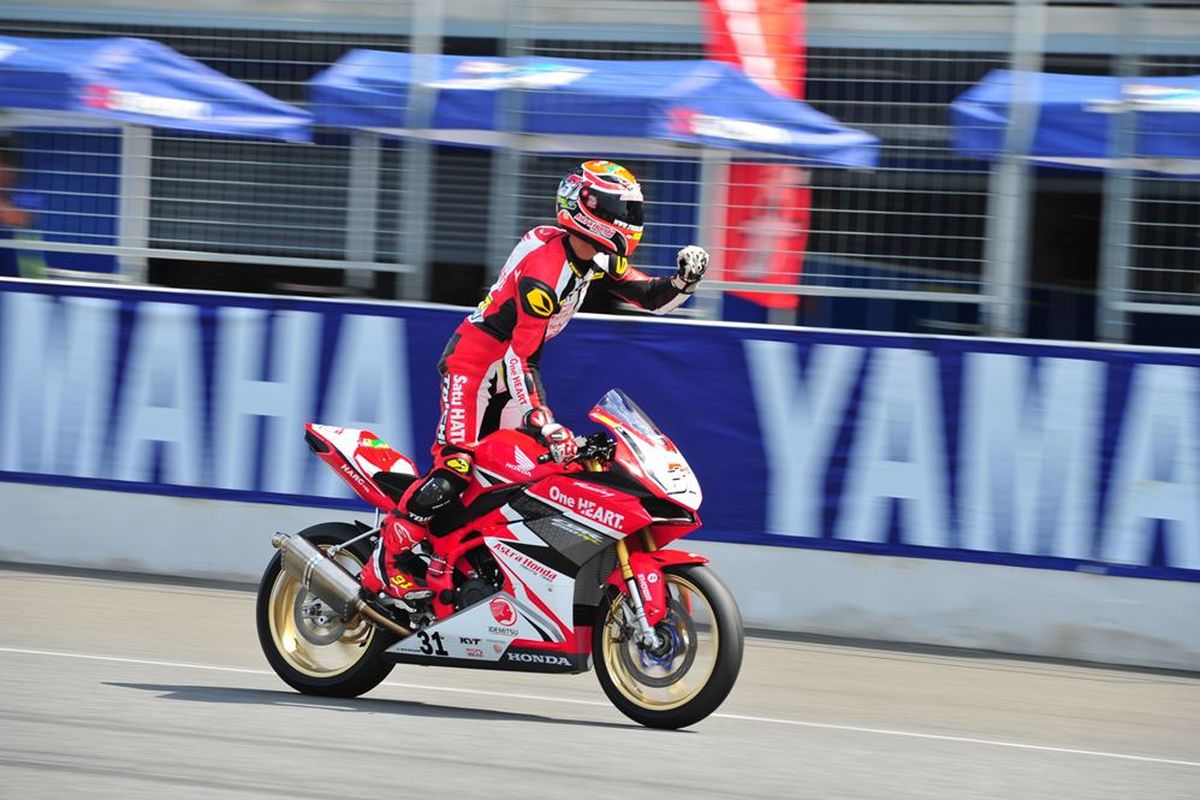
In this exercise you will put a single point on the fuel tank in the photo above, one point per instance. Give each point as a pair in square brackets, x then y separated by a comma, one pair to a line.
[509, 456]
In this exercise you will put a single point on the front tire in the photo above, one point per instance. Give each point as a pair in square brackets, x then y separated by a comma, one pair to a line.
[313, 650]
[698, 666]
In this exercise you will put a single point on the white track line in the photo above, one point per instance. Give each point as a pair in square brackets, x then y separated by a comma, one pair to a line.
[574, 701]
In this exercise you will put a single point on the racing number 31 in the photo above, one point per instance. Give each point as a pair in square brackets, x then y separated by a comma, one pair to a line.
[427, 647]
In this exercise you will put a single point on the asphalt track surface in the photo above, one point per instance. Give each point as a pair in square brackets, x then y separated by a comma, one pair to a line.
[126, 688]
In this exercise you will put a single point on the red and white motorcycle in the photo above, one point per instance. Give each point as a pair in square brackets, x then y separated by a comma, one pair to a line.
[543, 567]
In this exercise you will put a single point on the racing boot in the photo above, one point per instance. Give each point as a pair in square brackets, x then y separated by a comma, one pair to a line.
[394, 569]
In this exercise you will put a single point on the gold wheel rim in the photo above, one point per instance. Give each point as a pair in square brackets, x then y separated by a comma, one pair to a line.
[703, 639]
[300, 652]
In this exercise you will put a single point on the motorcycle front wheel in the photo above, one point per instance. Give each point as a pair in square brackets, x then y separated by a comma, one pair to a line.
[689, 676]
[312, 649]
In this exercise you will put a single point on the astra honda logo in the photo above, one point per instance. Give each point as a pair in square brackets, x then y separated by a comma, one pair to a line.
[539, 658]
[690, 122]
[596, 226]
[110, 99]
[502, 611]
[525, 561]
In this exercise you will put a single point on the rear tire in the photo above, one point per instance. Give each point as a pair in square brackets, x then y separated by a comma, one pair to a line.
[688, 682]
[312, 650]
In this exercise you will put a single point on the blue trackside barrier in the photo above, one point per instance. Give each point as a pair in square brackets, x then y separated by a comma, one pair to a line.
[1007, 452]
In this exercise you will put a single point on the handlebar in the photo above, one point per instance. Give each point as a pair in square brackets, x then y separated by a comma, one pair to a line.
[599, 446]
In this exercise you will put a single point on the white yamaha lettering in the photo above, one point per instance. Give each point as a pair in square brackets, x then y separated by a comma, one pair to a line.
[356, 385]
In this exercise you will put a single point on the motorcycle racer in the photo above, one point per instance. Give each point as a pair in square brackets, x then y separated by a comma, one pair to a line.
[489, 369]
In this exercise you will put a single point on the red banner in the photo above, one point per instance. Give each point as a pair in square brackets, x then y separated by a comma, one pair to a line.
[766, 205]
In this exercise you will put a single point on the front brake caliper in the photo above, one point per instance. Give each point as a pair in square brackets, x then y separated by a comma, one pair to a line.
[651, 587]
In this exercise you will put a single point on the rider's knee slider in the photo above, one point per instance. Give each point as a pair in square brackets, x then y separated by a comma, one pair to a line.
[435, 493]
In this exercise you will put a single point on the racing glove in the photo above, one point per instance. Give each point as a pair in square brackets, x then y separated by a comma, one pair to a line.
[693, 263]
[561, 442]
[557, 438]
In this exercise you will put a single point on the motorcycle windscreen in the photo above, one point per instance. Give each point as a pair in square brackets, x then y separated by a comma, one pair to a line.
[655, 454]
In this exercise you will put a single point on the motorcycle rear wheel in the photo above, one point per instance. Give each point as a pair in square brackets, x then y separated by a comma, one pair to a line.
[698, 666]
[313, 650]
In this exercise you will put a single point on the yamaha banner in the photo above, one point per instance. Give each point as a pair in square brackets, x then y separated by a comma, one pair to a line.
[1039, 455]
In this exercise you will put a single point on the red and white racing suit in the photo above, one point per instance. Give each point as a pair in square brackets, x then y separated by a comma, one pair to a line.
[490, 376]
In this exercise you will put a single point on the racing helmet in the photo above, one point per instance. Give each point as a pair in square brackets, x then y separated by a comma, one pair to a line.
[602, 202]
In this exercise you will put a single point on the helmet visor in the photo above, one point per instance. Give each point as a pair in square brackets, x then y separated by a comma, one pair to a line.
[611, 208]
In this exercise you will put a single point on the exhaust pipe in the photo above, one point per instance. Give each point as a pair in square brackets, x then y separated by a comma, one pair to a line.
[328, 580]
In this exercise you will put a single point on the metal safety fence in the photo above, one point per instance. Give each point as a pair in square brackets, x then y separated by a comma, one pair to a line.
[143, 198]
[926, 237]
[1151, 256]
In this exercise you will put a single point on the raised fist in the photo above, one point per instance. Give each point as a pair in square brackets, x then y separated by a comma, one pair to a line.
[693, 263]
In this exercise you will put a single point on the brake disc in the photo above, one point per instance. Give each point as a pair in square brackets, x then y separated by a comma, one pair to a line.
[678, 632]
[315, 621]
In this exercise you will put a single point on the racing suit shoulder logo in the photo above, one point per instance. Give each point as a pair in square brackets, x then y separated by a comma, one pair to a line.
[620, 266]
[537, 298]
[539, 302]
[459, 465]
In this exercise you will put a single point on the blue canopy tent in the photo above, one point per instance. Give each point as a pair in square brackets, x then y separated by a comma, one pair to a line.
[133, 85]
[691, 103]
[704, 110]
[1074, 115]
[1013, 119]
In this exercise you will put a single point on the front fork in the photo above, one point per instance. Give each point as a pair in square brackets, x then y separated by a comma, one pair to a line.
[649, 636]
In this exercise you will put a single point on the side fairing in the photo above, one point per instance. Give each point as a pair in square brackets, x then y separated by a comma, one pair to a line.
[482, 632]
[606, 509]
